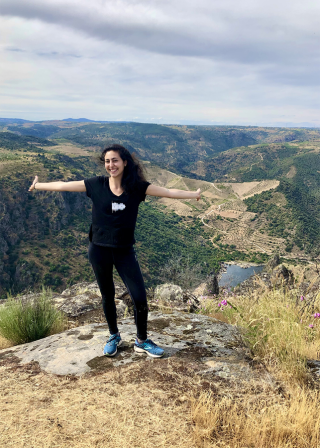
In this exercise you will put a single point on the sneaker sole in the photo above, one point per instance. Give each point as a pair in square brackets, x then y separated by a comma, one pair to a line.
[141, 351]
[114, 353]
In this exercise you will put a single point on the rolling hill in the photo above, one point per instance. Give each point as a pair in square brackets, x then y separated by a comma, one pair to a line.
[260, 195]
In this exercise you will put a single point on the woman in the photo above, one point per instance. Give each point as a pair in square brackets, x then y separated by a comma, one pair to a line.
[114, 213]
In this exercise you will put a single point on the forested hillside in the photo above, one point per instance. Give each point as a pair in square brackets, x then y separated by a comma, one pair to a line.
[43, 236]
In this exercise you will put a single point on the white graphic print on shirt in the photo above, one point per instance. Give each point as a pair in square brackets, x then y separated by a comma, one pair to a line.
[116, 206]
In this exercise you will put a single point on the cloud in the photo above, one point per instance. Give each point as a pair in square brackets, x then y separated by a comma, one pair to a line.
[177, 59]
[223, 30]
[17, 50]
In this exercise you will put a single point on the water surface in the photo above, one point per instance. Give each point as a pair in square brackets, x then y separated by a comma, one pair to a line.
[236, 274]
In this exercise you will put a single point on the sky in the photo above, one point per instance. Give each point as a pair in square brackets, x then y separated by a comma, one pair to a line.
[252, 62]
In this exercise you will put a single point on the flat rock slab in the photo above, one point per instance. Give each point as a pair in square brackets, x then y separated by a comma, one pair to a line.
[212, 346]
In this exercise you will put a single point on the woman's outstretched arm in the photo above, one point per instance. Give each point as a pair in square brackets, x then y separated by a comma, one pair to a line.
[154, 190]
[77, 185]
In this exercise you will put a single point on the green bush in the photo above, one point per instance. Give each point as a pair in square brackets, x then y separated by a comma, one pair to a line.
[28, 320]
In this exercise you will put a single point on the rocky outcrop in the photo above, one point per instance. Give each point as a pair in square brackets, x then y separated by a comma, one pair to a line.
[173, 297]
[210, 347]
[213, 285]
[283, 275]
[273, 262]
[85, 297]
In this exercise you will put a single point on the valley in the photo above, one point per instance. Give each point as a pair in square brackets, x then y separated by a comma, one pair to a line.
[256, 200]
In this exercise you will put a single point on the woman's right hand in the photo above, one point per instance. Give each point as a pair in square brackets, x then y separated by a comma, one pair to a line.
[33, 184]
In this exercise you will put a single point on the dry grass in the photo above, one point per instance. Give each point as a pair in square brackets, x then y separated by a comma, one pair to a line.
[279, 328]
[69, 148]
[244, 187]
[226, 423]
[4, 343]
[160, 405]
[120, 408]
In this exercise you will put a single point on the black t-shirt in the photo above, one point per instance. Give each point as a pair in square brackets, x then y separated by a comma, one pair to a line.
[113, 217]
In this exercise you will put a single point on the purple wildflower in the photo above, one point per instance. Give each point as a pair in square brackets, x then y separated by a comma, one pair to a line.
[301, 298]
[310, 326]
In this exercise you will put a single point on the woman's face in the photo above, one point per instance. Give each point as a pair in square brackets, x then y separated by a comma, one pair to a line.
[114, 164]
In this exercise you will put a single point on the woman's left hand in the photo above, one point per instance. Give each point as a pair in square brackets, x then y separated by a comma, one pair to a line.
[198, 194]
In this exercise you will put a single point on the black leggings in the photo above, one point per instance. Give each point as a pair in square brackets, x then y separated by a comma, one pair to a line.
[103, 259]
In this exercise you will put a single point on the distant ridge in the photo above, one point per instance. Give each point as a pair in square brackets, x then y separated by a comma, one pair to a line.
[86, 120]
[82, 120]
[14, 120]
[71, 120]
[279, 125]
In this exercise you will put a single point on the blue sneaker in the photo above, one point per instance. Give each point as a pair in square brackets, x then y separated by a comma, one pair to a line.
[110, 349]
[148, 347]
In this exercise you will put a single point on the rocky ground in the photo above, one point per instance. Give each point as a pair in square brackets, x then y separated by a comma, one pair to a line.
[59, 391]
[213, 348]
[210, 347]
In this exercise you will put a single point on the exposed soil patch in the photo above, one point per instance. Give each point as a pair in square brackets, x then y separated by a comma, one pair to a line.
[242, 188]
[7, 355]
[158, 324]
[292, 172]
[85, 337]
[69, 149]
[179, 207]
[230, 214]
[100, 364]
[193, 353]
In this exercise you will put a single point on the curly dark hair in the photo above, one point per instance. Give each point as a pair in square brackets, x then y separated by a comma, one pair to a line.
[133, 173]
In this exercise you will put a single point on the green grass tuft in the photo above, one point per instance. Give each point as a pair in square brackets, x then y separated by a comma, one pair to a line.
[23, 321]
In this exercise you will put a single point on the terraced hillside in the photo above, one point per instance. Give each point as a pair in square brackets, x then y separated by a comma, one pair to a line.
[222, 210]
[43, 235]
[256, 199]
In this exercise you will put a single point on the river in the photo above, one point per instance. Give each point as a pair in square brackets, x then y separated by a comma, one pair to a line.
[235, 274]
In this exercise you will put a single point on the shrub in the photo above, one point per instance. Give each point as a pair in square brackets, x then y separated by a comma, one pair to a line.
[181, 271]
[28, 320]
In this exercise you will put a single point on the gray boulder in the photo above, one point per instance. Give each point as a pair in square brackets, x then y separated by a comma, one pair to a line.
[84, 297]
[169, 296]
